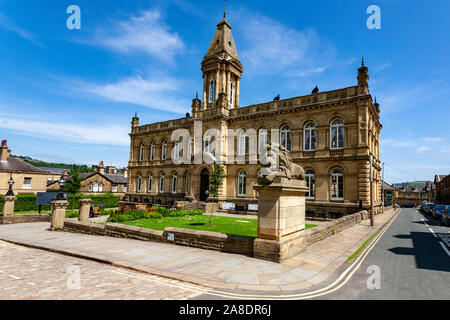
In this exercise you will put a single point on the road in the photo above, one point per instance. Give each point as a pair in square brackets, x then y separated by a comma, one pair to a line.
[413, 263]
[27, 273]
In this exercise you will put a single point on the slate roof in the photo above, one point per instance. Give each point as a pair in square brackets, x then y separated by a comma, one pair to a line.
[222, 41]
[387, 186]
[410, 189]
[18, 165]
[116, 178]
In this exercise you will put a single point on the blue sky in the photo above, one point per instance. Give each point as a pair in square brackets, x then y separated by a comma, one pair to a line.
[69, 95]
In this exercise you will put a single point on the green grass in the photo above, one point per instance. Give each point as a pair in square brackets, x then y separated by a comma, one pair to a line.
[356, 253]
[238, 226]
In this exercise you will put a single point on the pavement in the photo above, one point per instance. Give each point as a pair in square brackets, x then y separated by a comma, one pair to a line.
[209, 269]
[30, 274]
[411, 262]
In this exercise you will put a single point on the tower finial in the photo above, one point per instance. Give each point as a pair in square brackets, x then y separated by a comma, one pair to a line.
[362, 62]
[225, 9]
[196, 95]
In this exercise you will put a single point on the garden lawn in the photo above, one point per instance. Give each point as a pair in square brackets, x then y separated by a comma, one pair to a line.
[238, 226]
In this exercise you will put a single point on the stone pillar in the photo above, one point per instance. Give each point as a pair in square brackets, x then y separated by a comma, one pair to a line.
[85, 207]
[281, 219]
[8, 206]
[58, 214]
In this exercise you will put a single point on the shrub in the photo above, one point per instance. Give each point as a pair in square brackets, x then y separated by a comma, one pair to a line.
[163, 211]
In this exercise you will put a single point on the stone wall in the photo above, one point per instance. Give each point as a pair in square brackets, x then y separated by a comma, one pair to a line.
[25, 218]
[205, 239]
[333, 227]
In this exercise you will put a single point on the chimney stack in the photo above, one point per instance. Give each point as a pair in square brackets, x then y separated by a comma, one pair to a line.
[101, 168]
[111, 170]
[4, 151]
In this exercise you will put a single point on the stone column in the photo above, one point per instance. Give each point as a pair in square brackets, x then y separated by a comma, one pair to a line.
[8, 206]
[58, 214]
[281, 219]
[85, 207]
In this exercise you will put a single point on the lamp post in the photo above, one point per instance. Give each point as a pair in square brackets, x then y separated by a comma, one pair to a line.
[206, 201]
[61, 195]
[10, 192]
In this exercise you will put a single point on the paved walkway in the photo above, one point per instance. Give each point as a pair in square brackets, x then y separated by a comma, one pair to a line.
[204, 267]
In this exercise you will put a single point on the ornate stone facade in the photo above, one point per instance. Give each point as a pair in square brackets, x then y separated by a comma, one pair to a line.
[331, 135]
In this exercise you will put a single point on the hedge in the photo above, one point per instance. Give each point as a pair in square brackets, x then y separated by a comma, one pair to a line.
[133, 215]
[27, 202]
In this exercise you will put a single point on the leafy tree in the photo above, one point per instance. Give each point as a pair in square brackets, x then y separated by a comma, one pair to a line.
[73, 187]
[216, 179]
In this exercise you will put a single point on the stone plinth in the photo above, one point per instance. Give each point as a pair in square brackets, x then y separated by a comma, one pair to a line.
[58, 214]
[8, 206]
[281, 219]
[85, 207]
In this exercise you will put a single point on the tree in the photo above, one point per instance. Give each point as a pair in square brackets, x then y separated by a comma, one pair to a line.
[216, 179]
[73, 187]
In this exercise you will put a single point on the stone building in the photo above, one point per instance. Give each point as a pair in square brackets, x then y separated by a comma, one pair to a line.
[100, 182]
[442, 189]
[28, 179]
[332, 135]
[410, 195]
[389, 194]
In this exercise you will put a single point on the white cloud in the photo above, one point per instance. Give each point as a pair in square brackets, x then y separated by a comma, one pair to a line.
[143, 33]
[153, 92]
[59, 129]
[271, 47]
[10, 26]
[432, 139]
[423, 149]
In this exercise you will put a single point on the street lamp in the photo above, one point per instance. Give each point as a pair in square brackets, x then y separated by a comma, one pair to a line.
[61, 195]
[10, 192]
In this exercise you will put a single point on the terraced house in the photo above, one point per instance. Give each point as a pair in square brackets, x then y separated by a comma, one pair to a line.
[330, 134]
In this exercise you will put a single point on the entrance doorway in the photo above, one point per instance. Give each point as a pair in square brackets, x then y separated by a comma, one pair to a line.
[204, 183]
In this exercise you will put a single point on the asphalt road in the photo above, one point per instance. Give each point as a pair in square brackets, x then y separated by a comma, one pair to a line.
[413, 263]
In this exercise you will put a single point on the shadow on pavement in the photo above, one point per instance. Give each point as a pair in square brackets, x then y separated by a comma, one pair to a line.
[426, 251]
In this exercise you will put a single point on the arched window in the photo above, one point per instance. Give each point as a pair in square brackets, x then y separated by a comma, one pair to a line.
[141, 152]
[337, 134]
[90, 187]
[95, 187]
[285, 138]
[231, 91]
[337, 184]
[152, 152]
[311, 183]
[139, 183]
[175, 183]
[243, 143]
[177, 149]
[164, 151]
[100, 187]
[242, 184]
[309, 137]
[212, 90]
[150, 183]
[263, 140]
[207, 144]
[161, 183]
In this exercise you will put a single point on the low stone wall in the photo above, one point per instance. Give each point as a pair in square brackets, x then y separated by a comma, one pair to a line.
[132, 232]
[211, 240]
[85, 227]
[332, 227]
[205, 239]
[25, 218]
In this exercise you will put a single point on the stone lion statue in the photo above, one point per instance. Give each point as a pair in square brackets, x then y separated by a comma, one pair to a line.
[278, 164]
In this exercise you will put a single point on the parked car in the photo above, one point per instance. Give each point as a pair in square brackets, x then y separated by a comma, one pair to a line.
[429, 209]
[408, 205]
[437, 211]
[446, 217]
[423, 206]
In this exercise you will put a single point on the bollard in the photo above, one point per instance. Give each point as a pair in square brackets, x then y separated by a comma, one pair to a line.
[85, 206]
[58, 214]
[8, 206]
